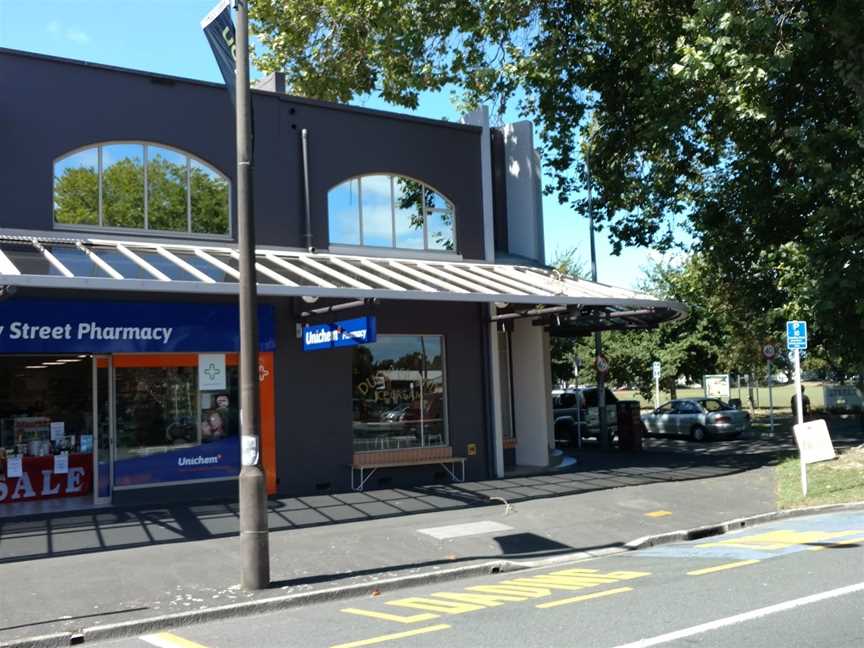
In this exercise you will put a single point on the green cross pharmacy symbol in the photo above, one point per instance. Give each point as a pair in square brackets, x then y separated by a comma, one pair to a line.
[212, 372]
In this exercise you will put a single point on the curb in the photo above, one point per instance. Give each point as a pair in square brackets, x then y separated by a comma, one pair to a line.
[247, 608]
[732, 525]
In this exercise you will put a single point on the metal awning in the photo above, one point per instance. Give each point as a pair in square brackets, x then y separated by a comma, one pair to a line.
[49, 261]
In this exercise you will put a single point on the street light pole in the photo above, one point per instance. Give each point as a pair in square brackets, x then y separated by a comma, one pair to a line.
[598, 342]
[254, 540]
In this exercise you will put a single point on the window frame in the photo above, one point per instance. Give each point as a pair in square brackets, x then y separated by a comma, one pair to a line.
[444, 381]
[354, 248]
[146, 144]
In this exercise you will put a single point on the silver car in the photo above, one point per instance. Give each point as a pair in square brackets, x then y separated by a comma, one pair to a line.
[697, 418]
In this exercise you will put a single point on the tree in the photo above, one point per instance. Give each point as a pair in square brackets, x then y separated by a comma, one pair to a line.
[739, 120]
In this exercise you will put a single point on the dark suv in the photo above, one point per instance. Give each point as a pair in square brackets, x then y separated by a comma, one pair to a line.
[570, 419]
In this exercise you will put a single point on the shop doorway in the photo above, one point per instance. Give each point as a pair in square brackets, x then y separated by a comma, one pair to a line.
[48, 433]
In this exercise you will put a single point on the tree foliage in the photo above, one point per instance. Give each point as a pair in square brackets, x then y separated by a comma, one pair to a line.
[739, 120]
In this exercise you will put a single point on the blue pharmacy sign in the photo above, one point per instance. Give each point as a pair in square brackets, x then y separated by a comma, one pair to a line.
[77, 326]
[335, 335]
[796, 335]
[220, 459]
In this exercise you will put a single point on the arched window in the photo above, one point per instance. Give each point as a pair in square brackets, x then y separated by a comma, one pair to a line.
[390, 211]
[140, 186]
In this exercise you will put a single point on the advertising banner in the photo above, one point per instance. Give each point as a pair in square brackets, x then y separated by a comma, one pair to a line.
[218, 459]
[219, 31]
[335, 335]
[39, 478]
[67, 326]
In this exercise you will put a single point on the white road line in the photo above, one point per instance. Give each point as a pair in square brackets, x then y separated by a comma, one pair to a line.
[460, 530]
[745, 616]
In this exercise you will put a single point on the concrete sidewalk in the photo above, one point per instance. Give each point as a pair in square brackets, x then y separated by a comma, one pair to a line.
[65, 573]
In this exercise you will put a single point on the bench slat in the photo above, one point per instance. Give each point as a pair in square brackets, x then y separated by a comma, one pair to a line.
[416, 462]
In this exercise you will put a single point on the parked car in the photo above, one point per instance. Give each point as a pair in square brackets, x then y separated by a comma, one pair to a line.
[570, 418]
[697, 418]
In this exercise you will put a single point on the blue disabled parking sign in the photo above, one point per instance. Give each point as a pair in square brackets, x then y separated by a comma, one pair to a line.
[796, 334]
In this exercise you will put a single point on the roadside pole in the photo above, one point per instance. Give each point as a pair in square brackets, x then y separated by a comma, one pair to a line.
[799, 402]
[796, 341]
[655, 370]
[254, 540]
[770, 398]
[578, 404]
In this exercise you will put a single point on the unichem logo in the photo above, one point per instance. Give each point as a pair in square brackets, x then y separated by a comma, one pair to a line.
[198, 461]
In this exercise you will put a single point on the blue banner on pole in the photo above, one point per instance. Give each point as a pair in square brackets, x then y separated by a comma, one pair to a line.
[796, 334]
[73, 326]
[335, 335]
[219, 30]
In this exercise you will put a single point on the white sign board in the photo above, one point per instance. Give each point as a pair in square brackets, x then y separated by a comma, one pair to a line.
[14, 467]
[814, 442]
[61, 464]
[211, 372]
[717, 386]
[655, 369]
[58, 430]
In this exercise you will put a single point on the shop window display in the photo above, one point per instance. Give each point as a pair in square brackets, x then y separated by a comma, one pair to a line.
[46, 427]
[399, 393]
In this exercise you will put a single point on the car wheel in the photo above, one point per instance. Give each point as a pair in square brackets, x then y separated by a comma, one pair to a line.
[697, 433]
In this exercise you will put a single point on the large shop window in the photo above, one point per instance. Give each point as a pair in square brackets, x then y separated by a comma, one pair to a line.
[139, 186]
[392, 212]
[170, 430]
[399, 393]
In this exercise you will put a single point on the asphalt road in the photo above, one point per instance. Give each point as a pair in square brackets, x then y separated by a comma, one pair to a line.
[798, 582]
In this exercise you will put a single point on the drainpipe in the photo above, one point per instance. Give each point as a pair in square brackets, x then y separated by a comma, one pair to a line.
[307, 236]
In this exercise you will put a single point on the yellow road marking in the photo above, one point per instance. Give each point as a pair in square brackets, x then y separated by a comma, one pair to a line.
[781, 539]
[168, 640]
[658, 513]
[398, 618]
[711, 570]
[584, 597]
[392, 637]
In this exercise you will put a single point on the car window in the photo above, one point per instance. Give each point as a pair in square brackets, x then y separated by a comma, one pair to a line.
[688, 407]
[567, 400]
[665, 408]
[714, 405]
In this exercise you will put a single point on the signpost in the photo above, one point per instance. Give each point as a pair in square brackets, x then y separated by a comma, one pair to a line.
[655, 370]
[814, 444]
[796, 341]
[769, 352]
[717, 386]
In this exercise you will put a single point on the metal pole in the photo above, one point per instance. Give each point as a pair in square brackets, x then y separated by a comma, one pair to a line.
[598, 342]
[770, 397]
[656, 392]
[254, 541]
[800, 415]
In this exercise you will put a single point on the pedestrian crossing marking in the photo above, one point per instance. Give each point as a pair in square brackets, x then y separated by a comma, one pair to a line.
[781, 539]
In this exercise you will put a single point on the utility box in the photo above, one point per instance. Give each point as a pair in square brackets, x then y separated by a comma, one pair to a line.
[629, 426]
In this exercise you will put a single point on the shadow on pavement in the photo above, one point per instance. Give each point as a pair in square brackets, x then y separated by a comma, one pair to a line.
[664, 460]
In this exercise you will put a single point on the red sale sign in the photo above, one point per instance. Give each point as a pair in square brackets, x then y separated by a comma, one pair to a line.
[39, 481]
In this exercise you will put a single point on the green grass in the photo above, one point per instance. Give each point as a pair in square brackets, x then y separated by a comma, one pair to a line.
[828, 482]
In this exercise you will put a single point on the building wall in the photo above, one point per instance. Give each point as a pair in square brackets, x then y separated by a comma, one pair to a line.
[62, 105]
[313, 399]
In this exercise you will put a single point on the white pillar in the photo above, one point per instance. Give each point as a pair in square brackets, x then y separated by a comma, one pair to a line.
[497, 448]
[531, 393]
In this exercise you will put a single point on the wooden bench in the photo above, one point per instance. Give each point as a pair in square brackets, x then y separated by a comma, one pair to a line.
[368, 469]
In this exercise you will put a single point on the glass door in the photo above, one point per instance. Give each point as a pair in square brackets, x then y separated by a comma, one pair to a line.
[104, 416]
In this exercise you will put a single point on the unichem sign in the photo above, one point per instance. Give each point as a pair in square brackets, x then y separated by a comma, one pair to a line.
[345, 333]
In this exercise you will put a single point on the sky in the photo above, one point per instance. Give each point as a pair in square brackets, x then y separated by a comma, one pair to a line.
[165, 36]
